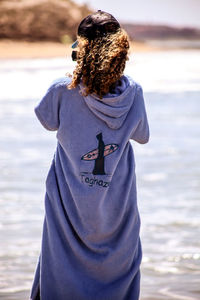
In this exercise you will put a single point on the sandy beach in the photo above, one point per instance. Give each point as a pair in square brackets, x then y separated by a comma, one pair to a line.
[10, 49]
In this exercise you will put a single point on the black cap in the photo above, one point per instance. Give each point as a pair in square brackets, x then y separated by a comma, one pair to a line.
[97, 25]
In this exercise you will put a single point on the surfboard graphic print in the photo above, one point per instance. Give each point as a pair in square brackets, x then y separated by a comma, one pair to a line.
[99, 154]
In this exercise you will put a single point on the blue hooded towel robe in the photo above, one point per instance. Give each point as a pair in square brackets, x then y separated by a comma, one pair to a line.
[90, 245]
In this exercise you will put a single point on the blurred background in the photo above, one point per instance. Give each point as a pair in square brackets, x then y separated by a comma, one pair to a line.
[35, 49]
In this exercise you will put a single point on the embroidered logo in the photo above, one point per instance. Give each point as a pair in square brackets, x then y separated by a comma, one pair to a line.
[98, 156]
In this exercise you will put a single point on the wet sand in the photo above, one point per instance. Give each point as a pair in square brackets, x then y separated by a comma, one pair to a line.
[10, 49]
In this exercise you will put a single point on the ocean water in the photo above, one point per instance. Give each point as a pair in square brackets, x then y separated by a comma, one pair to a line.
[168, 172]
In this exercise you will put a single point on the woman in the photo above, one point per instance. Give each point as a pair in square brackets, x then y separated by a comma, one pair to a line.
[91, 247]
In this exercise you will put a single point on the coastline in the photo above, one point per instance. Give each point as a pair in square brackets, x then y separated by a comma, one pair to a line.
[15, 49]
[11, 49]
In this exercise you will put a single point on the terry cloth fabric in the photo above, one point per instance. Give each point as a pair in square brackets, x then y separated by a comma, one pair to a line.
[90, 245]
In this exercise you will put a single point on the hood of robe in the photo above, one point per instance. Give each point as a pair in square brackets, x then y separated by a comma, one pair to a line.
[113, 107]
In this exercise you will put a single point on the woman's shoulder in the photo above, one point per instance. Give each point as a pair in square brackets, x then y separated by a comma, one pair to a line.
[60, 83]
[133, 82]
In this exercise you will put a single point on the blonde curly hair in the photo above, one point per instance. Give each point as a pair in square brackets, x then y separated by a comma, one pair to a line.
[100, 62]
